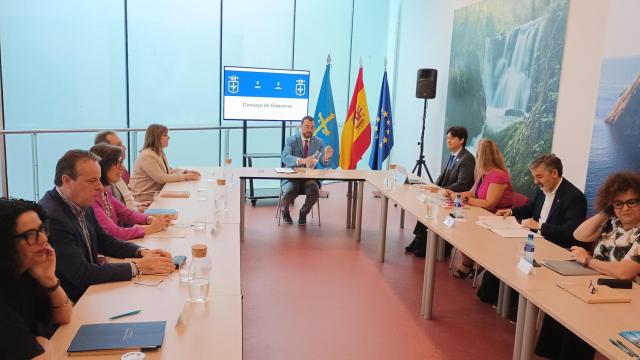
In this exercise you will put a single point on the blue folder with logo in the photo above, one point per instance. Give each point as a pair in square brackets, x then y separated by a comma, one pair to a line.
[118, 336]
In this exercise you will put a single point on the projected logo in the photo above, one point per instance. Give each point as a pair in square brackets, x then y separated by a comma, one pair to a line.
[301, 87]
[233, 85]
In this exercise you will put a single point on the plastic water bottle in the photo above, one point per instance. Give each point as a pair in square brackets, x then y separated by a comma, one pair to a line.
[529, 249]
[199, 274]
[220, 198]
[390, 179]
[228, 171]
[457, 207]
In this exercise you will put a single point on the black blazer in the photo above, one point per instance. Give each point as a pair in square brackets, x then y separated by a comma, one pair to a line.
[460, 177]
[75, 267]
[569, 209]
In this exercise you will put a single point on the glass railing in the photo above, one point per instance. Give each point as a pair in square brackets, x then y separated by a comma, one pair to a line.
[196, 146]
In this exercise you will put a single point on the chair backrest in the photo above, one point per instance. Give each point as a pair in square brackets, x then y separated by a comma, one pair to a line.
[519, 199]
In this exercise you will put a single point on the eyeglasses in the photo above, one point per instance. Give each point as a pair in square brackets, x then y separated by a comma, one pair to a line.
[592, 288]
[631, 203]
[32, 236]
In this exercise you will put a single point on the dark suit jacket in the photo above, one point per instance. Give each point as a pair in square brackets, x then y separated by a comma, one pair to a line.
[77, 269]
[568, 210]
[460, 177]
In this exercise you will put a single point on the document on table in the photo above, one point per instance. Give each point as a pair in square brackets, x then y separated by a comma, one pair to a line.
[285, 170]
[514, 233]
[498, 222]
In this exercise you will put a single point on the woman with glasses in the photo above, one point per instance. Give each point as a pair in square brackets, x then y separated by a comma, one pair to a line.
[31, 297]
[151, 169]
[616, 228]
[113, 216]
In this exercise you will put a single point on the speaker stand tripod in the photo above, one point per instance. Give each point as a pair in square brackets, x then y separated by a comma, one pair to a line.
[420, 163]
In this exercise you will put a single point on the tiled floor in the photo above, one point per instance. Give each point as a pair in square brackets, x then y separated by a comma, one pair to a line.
[315, 293]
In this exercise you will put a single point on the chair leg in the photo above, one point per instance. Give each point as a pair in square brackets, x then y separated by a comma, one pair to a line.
[453, 256]
[319, 224]
[475, 275]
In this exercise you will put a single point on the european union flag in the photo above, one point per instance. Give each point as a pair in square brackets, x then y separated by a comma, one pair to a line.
[326, 124]
[383, 131]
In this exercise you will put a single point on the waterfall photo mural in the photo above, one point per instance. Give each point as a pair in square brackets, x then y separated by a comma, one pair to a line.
[616, 129]
[504, 76]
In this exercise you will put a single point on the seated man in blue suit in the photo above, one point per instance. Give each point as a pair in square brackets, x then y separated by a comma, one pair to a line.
[77, 237]
[303, 149]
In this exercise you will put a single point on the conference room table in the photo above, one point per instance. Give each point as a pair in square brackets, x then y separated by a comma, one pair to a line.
[212, 330]
[595, 323]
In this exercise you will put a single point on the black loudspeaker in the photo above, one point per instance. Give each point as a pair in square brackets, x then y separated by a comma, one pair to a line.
[426, 83]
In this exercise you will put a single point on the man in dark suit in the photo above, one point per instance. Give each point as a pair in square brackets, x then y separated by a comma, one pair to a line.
[457, 176]
[558, 206]
[77, 237]
[555, 212]
[303, 149]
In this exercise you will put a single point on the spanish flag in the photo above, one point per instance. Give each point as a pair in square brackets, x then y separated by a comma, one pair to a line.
[356, 133]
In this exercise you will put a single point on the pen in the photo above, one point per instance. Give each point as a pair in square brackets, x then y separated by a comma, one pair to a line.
[615, 343]
[629, 351]
[133, 312]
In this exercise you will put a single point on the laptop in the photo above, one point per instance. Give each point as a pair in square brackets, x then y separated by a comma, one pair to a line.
[569, 268]
[405, 178]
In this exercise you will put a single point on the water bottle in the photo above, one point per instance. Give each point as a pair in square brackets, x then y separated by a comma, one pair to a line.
[390, 179]
[529, 249]
[220, 198]
[457, 207]
[199, 274]
[228, 171]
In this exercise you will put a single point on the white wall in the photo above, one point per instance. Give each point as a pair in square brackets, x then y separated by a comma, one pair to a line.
[424, 40]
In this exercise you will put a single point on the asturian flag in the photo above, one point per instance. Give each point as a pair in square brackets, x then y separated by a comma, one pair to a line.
[383, 130]
[326, 123]
[356, 133]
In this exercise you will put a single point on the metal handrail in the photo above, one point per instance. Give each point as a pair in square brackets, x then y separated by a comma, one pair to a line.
[34, 144]
[63, 131]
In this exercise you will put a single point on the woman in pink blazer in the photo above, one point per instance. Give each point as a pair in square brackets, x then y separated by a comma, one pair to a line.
[110, 212]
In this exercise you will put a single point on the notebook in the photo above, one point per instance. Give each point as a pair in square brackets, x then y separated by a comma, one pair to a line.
[116, 338]
[158, 211]
[515, 233]
[568, 268]
[285, 170]
[632, 336]
[498, 222]
[603, 295]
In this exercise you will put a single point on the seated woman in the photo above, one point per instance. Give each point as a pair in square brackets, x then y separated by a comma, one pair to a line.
[110, 212]
[616, 228]
[32, 297]
[492, 190]
[151, 170]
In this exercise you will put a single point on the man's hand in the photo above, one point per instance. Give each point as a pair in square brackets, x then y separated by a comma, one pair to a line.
[154, 263]
[160, 252]
[531, 224]
[328, 153]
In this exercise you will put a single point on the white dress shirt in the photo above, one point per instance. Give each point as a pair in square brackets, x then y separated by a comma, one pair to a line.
[548, 202]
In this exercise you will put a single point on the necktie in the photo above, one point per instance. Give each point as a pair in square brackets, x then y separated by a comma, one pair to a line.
[305, 148]
[450, 162]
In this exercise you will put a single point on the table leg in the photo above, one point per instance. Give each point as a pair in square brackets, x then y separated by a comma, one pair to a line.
[517, 342]
[441, 245]
[500, 295]
[506, 302]
[529, 331]
[401, 218]
[243, 183]
[429, 276]
[359, 211]
[354, 202]
[382, 232]
[349, 190]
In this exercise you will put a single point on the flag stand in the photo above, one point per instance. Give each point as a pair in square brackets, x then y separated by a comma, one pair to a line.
[420, 163]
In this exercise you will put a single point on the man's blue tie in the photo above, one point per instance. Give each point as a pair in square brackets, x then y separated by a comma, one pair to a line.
[450, 162]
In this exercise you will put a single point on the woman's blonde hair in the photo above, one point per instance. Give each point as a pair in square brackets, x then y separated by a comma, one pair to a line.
[152, 137]
[488, 157]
